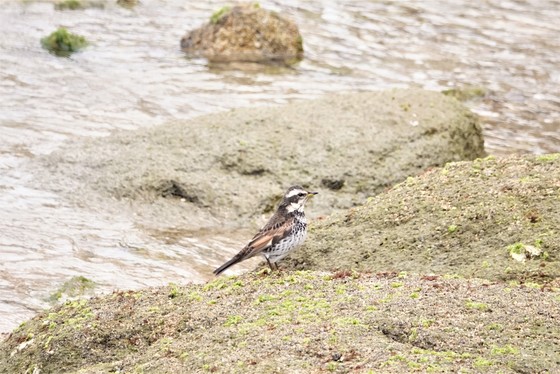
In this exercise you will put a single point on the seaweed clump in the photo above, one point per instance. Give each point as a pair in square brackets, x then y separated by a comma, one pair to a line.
[63, 43]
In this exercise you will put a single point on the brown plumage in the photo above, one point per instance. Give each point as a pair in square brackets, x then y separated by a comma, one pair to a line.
[285, 231]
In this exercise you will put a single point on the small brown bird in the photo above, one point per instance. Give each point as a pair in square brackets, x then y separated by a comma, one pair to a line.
[285, 231]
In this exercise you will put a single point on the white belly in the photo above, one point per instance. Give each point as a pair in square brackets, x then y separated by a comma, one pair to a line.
[285, 246]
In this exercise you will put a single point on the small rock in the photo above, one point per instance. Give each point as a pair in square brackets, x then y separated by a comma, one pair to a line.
[245, 33]
[333, 183]
[63, 43]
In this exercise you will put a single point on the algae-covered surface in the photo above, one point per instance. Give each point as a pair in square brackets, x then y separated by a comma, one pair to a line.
[248, 33]
[299, 322]
[73, 287]
[69, 4]
[63, 43]
[489, 218]
[233, 166]
[79, 4]
[466, 93]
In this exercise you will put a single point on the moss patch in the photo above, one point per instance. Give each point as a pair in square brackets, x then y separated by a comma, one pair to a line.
[79, 4]
[69, 4]
[465, 93]
[74, 287]
[127, 3]
[63, 43]
[217, 15]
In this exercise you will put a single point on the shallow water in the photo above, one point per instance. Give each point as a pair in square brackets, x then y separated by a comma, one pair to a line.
[134, 75]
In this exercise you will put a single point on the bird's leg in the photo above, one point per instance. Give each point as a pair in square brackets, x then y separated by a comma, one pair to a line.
[269, 263]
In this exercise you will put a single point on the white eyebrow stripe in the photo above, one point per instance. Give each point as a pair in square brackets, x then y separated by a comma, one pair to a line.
[294, 192]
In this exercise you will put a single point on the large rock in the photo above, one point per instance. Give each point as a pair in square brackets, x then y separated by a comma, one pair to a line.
[297, 322]
[245, 33]
[235, 165]
[490, 218]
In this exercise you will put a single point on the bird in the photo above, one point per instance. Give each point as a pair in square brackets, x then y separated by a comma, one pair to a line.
[284, 231]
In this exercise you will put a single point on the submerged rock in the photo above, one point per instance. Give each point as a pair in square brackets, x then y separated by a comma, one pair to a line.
[489, 218]
[229, 167]
[78, 4]
[245, 33]
[69, 4]
[127, 3]
[63, 43]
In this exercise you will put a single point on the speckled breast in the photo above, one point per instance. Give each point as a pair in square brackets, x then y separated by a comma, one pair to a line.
[289, 243]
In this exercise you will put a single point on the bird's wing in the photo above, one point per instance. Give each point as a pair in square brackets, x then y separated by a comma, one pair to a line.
[269, 235]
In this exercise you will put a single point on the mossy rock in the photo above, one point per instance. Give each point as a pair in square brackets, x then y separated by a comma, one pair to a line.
[69, 4]
[494, 218]
[63, 43]
[127, 3]
[245, 33]
[465, 93]
[78, 4]
[347, 146]
[295, 322]
[74, 287]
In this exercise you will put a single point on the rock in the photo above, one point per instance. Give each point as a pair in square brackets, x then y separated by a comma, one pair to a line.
[77, 286]
[489, 218]
[332, 183]
[466, 93]
[63, 43]
[297, 322]
[245, 33]
[127, 3]
[69, 4]
[225, 165]
[78, 4]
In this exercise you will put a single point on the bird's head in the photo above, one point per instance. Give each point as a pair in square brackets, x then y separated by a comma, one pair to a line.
[295, 199]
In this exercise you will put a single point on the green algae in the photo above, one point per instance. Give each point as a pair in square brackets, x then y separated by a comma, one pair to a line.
[128, 4]
[477, 305]
[63, 43]
[74, 287]
[466, 93]
[69, 4]
[217, 15]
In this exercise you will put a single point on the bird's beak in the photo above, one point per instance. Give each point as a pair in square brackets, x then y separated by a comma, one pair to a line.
[310, 194]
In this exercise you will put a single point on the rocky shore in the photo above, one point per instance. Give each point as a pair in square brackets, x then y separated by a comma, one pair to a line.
[418, 262]
[493, 218]
[299, 322]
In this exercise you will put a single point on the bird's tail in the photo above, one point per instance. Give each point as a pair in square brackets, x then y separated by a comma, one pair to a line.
[237, 258]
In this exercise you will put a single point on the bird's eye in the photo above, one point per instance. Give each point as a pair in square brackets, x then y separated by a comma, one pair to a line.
[301, 194]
